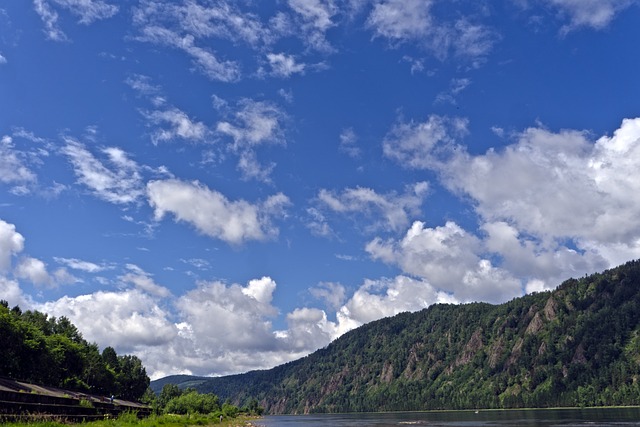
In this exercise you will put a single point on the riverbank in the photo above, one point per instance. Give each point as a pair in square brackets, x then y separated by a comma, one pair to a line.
[131, 420]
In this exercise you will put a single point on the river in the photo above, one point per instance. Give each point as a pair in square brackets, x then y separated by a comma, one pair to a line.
[591, 417]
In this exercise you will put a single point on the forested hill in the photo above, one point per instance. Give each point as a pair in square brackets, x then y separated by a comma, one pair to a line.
[577, 345]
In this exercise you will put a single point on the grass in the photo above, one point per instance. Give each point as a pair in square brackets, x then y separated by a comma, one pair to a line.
[130, 420]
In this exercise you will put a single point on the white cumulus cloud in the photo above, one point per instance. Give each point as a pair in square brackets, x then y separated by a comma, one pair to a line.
[451, 260]
[376, 299]
[558, 185]
[551, 205]
[213, 214]
[11, 292]
[127, 320]
[11, 243]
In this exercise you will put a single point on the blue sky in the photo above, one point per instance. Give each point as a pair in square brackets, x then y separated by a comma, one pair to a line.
[220, 186]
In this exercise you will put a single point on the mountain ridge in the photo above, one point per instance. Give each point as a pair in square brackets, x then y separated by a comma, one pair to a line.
[578, 345]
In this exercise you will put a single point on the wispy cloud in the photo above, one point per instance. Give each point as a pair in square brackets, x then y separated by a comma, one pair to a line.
[596, 14]
[199, 263]
[456, 86]
[50, 20]
[190, 25]
[317, 19]
[118, 181]
[85, 266]
[221, 19]
[13, 167]
[349, 143]
[175, 124]
[143, 85]
[249, 125]
[87, 11]
[403, 21]
[389, 211]
[205, 60]
[284, 65]
[318, 224]
[419, 145]
[143, 281]
[168, 123]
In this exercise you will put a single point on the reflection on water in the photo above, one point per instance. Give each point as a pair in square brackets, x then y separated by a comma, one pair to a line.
[591, 417]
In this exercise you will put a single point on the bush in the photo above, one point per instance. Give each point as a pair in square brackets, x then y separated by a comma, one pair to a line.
[193, 403]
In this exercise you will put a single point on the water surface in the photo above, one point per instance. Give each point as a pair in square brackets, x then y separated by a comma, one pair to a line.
[591, 417]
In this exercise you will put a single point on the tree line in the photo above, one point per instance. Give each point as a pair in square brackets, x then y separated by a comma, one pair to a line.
[174, 400]
[45, 350]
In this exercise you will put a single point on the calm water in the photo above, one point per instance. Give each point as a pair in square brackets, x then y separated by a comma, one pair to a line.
[539, 417]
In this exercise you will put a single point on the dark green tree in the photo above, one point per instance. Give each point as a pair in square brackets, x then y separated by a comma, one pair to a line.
[110, 358]
[169, 391]
[131, 379]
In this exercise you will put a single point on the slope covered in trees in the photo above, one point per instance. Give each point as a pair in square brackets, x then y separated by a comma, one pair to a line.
[44, 350]
[578, 345]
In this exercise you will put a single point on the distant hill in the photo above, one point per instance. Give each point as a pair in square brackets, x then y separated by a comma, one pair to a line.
[183, 381]
[578, 345]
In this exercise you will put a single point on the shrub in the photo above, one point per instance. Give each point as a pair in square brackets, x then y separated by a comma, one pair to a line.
[193, 403]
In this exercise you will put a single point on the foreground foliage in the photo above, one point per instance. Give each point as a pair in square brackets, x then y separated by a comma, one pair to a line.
[130, 420]
[44, 350]
[578, 345]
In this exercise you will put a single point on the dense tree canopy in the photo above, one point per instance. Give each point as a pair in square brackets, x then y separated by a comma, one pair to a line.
[37, 348]
[174, 400]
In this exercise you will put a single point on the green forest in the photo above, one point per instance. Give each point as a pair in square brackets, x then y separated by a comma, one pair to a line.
[578, 345]
[40, 349]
